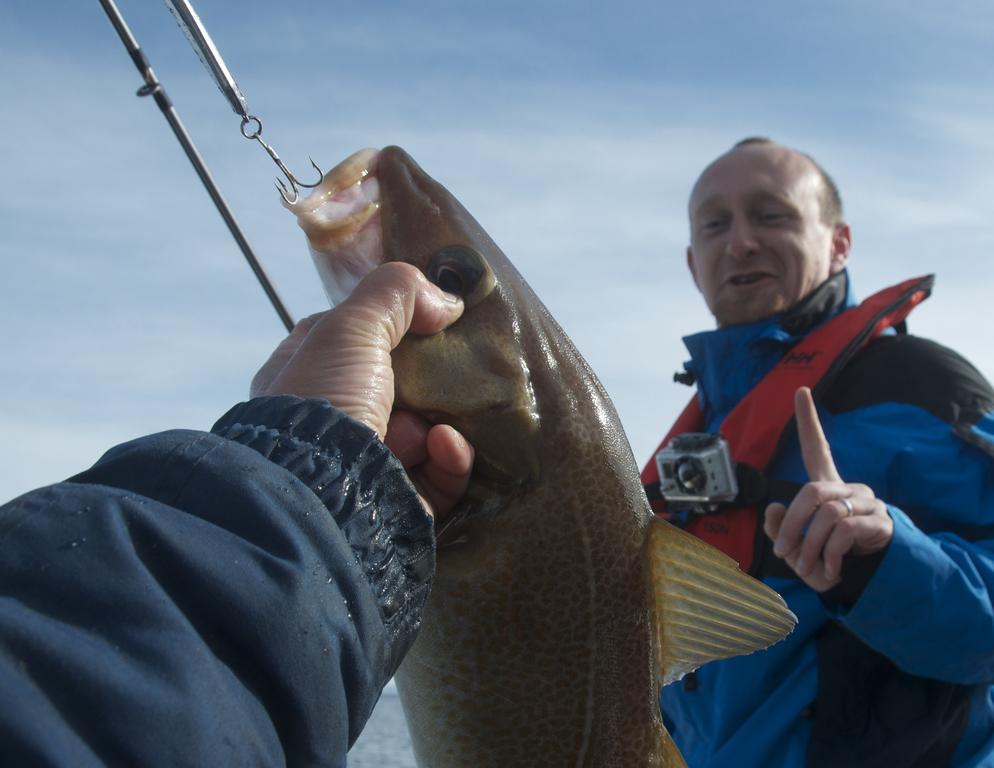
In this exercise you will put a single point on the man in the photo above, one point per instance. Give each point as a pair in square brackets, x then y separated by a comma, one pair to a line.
[238, 597]
[879, 532]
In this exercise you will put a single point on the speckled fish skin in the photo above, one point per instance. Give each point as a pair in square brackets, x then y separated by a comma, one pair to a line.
[535, 649]
[541, 643]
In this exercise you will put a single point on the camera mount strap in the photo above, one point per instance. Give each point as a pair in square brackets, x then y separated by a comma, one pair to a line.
[764, 420]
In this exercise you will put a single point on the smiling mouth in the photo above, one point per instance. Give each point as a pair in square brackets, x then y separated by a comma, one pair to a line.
[750, 278]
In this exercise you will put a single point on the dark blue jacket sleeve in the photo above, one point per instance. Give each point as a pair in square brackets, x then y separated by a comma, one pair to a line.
[912, 419]
[937, 574]
[237, 597]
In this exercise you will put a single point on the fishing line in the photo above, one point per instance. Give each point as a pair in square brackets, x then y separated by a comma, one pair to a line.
[153, 88]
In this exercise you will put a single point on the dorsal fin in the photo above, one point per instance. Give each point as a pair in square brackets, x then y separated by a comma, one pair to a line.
[705, 607]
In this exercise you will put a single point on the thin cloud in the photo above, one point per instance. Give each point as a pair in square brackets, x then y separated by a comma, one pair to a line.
[123, 289]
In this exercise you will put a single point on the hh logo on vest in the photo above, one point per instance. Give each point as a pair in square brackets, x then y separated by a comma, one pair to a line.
[800, 358]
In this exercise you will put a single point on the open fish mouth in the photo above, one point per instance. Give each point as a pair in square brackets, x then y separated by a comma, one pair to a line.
[341, 220]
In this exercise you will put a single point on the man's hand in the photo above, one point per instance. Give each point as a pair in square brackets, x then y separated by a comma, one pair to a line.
[828, 518]
[343, 356]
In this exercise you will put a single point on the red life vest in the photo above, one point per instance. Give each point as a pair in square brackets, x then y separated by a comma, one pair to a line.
[754, 427]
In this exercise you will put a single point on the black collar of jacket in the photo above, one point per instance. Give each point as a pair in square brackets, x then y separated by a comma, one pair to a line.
[817, 306]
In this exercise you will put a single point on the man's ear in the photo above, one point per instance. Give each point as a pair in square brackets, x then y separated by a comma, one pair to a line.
[690, 266]
[841, 247]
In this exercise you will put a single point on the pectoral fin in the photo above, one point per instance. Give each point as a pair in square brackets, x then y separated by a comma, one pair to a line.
[705, 607]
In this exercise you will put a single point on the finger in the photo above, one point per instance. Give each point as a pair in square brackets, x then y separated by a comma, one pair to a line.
[822, 527]
[438, 459]
[874, 530]
[450, 459]
[800, 512]
[791, 560]
[281, 355]
[815, 450]
[860, 491]
[773, 520]
[444, 477]
[406, 436]
[839, 544]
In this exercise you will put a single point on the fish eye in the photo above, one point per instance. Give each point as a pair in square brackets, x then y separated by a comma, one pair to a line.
[450, 280]
[463, 272]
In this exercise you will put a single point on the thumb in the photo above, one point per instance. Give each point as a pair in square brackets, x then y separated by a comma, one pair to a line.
[345, 355]
[815, 450]
[396, 298]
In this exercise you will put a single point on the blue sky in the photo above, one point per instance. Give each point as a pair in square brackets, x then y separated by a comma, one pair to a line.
[572, 131]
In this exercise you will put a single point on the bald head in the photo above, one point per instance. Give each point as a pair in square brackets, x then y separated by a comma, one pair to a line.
[829, 197]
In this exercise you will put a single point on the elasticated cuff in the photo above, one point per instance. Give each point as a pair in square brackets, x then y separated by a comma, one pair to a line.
[360, 482]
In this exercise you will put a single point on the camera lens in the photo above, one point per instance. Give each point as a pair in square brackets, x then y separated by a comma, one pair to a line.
[690, 475]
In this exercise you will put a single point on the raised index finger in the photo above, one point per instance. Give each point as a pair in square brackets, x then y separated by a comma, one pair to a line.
[815, 450]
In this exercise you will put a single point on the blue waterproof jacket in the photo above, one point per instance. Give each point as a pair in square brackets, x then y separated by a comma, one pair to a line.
[236, 598]
[895, 667]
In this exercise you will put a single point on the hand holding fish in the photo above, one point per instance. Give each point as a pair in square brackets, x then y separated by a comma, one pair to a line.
[828, 518]
[343, 356]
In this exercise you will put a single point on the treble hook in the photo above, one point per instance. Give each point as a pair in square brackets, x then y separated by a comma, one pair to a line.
[256, 134]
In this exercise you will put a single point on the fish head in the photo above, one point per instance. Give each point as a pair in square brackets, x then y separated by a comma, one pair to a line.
[380, 206]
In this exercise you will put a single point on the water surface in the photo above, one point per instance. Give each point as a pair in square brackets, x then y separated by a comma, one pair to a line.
[384, 743]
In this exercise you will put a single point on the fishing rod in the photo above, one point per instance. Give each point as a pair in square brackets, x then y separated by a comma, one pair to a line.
[154, 89]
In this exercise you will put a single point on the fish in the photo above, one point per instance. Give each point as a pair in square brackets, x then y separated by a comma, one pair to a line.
[560, 603]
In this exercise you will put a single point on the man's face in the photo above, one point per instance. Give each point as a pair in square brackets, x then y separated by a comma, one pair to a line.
[758, 244]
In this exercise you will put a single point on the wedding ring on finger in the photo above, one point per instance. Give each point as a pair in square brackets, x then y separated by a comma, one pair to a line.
[848, 505]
